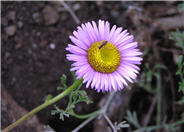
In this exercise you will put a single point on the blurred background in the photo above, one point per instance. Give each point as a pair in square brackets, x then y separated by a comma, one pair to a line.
[34, 36]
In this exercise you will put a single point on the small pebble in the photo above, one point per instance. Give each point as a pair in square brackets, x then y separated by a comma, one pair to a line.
[4, 21]
[51, 15]
[26, 34]
[37, 18]
[11, 30]
[20, 24]
[13, 80]
[38, 34]
[34, 45]
[52, 46]
[18, 46]
[7, 54]
[114, 13]
[11, 15]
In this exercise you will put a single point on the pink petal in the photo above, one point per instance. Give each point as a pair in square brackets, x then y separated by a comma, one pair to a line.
[78, 43]
[76, 50]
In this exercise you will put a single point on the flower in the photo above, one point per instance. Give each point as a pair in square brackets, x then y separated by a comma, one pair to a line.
[105, 58]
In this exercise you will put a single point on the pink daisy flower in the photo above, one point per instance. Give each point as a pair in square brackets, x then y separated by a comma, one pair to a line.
[105, 58]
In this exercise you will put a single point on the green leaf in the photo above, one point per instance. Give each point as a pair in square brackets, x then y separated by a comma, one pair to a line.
[82, 93]
[60, 88]
[63, 80]
[132, 118]
[59, 111]
[146, 51]
[180, 65]
[181, 86]
[148, 78]
[180, 72]
[122, 124]
[159, 66]
[76, 96]
[178, 37]
[74, 76]
[80, 85]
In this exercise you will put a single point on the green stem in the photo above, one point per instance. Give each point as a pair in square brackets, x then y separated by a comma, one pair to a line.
[84, 116]
[169, 126]
[44, 105]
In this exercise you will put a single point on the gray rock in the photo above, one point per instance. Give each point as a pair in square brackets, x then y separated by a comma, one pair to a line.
[11, 15]
[20, 24]
[4, 21]
[114, 13]
[52, 46]
[51, 16]
[37, 18]
[11, 30]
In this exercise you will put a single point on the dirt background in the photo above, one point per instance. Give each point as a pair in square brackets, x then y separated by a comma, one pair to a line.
[34, 36]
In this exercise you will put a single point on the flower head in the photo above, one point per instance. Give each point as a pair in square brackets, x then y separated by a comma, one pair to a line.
[105, 58]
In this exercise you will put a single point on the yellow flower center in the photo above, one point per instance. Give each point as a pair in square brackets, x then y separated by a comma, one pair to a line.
[104, 57]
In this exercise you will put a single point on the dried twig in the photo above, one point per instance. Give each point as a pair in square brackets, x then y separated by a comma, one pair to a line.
[84, 123]
[70, 11]
[102, 112]
[150, 111]
[169, 23]
[110, 122]
[171, 50]
[108, 101]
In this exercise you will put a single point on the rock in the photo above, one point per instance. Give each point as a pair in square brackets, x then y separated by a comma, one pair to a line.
[11, 30]
[37, 18]
[4, 21]
[12, 111]
[20, 24]
[114, 13]
[38, 33]
[11, 15]
[18, 46]
[52, 46]
[51, 16]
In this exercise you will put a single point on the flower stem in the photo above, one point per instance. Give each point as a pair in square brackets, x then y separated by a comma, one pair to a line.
[84, 123]
[44, 105]
[85, 116]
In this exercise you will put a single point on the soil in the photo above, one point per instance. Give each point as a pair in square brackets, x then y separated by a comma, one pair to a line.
[33, 54]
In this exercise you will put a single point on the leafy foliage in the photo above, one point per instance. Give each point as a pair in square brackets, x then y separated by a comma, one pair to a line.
[63, 83]
[59, 111]
[147, 76]
[180, 72]
[122, 124]
[164, 125]
[75, 97]
[132, 118]
[178, 37]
